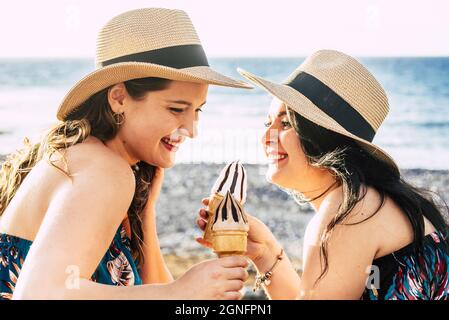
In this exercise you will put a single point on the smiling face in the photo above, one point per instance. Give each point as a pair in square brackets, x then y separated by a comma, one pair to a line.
[156, 125]
[288, 166]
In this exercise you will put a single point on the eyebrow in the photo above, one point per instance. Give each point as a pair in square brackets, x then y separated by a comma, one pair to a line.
[187, 103]
[280, 114]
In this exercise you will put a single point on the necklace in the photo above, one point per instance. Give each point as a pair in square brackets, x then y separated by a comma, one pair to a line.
[322, 194]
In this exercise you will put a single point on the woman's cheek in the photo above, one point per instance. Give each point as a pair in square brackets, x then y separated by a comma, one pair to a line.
[289, 142]
[292, 146]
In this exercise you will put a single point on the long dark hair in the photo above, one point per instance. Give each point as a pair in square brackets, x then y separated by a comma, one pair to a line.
[94, 117]
[354, 167]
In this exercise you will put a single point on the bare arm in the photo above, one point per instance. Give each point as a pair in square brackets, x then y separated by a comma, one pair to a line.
[77, 230]
[285, 282]
[350, 255]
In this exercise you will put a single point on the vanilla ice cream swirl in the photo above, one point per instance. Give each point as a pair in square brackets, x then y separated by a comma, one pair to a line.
[230, 215]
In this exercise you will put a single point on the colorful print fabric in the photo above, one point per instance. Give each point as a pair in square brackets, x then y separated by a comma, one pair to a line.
[117, 267]
[407, 276]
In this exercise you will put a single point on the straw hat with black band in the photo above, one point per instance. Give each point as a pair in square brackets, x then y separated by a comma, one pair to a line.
[149, 42]
[336, 92]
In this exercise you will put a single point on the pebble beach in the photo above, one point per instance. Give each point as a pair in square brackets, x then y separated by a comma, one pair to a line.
[186, 184]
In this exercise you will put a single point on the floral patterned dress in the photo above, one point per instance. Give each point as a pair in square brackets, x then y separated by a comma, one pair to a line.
[403, 275]
[117, 267]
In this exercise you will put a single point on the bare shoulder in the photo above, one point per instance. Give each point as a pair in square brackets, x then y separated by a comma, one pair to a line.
[101, 185]
[94, 171]
[363, 212]
[380, 225]
[91, 152]
[93, 159]
[358, 223]
[83, 214]
[349, 248]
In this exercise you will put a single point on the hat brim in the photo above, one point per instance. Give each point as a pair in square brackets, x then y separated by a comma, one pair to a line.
[119, 72]
[300, 104]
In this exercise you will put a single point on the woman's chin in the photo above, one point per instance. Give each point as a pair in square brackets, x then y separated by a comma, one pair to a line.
[168, 166]
[278, 176]
[166, 163]
[273, 175]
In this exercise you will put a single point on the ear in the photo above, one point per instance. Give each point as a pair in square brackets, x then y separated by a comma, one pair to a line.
[116, 96]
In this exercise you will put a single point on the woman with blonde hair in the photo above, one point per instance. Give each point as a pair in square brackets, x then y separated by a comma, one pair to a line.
[78, 208]
[373, 235]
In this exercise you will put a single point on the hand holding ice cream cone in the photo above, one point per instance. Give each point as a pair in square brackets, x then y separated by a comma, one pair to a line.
[260, 238]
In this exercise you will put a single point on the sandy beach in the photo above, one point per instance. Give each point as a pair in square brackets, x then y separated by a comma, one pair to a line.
[186, 184]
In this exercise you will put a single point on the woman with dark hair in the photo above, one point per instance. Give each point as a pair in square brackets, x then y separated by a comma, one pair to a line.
[373, 236]
[77, 209]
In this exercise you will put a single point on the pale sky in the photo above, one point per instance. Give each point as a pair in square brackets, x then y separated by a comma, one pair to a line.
[68, 28]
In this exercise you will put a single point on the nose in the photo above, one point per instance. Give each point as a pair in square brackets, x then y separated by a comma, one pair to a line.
[190, 128]
[271, 138]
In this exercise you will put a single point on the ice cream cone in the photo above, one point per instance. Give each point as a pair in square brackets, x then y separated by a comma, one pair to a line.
[227, 226]
[229, 242]
[230, 228]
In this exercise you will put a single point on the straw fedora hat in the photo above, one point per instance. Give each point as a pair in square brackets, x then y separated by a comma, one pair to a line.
[149, 42]
[336, 92]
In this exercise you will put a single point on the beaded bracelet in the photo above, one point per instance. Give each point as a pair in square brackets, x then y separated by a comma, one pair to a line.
[266, 278]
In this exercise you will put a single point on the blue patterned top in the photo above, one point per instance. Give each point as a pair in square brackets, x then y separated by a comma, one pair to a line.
[403, 275]
[117, 267]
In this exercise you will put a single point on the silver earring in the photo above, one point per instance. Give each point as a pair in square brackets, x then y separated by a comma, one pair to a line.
[119, 118]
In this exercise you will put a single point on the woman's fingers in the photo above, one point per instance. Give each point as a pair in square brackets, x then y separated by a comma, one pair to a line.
[205, 201]
[203, 213]
[201, 223]
[203, 242]
[234, 262]
[237, 274]
[233, 285]
[233, 295]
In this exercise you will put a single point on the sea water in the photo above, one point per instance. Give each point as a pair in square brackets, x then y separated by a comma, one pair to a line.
[415, 132]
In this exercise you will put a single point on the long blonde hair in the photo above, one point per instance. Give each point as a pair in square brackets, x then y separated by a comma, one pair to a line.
[94, 117]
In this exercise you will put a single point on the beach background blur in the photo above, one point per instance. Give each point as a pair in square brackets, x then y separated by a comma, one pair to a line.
[415, 133]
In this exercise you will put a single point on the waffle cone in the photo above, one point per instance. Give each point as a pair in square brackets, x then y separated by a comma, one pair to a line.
[229, 242]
